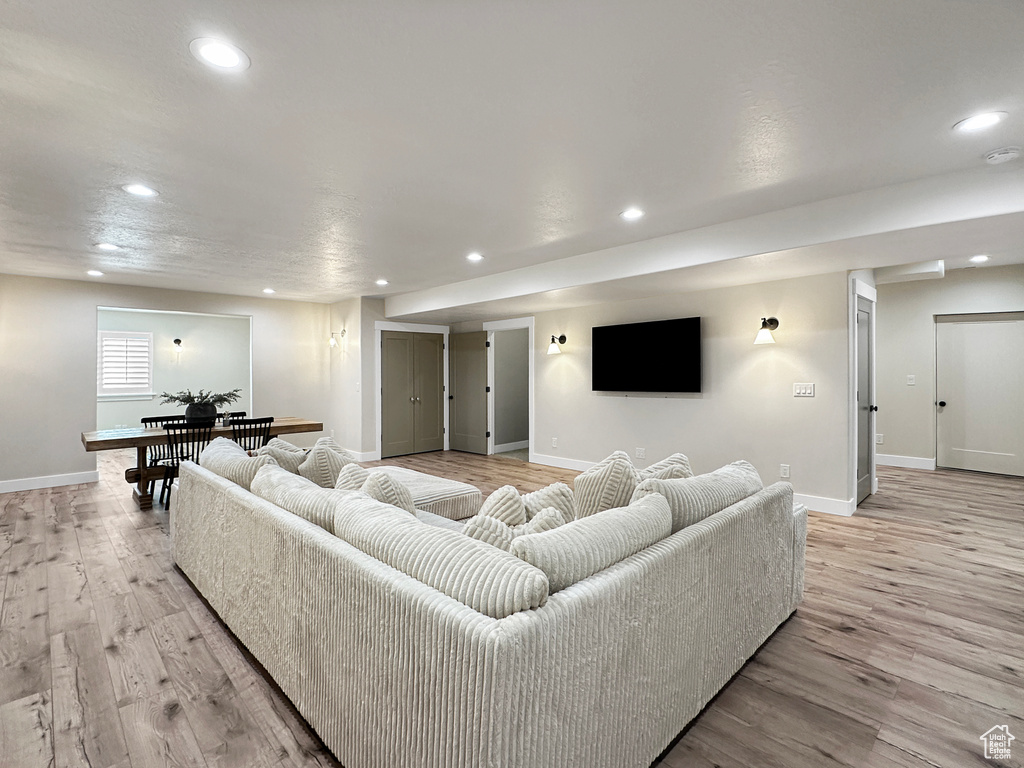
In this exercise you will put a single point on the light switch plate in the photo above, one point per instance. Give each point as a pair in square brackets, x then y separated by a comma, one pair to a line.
[803, 390]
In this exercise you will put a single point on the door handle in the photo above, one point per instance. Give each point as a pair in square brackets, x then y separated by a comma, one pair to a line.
[873, 408]
[942, 403]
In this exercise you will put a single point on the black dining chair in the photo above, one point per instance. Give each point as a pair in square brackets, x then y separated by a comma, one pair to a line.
[251, 434]
[159, 452]
[185, 441]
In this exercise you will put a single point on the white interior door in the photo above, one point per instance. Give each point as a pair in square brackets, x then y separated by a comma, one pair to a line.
[980, 392]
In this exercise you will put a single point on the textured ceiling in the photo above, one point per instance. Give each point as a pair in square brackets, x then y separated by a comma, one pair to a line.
[389, 139]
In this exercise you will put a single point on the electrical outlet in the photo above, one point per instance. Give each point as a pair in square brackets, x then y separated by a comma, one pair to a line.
[911, 380]
[878, 439]
[332, 434]
[554, 442]
[641, 453]
[783, 470]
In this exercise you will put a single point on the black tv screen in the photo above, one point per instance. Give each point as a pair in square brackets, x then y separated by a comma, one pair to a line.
[661, 356]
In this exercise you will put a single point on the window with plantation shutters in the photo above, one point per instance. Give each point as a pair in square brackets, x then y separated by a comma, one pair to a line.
[125, 364]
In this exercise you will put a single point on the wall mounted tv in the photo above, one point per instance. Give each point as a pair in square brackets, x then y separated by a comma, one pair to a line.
[661, 356]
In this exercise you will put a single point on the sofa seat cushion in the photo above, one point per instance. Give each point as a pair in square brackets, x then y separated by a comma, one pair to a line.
[576, 550]
[447, 498]
[229, 460]
[298, 495]
[608, 484]
[482, 577]
[385, 488]
[674, 467]
[693, 499]
[557, 495]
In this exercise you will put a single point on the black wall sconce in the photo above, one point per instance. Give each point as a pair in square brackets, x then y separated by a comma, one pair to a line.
[764, 336]
[553, 348]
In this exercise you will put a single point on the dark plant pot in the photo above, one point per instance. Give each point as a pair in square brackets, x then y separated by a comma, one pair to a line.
[201, 412]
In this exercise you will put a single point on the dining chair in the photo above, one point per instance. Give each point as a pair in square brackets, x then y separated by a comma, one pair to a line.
[185, 441]
[251, 433]
[158, 453]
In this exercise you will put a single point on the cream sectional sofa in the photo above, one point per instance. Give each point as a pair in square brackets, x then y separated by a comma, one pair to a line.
[393, 672]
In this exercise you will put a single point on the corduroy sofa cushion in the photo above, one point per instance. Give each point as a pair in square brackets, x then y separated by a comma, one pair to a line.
[298, 495]
[506, 505]
[229, 460]
[673, 467]
[323, 464]
[557, 495]
[489, 530]
[290, 460]
[695, 498]
[351, 477]
[576, 550]
[439, 495]
[480, 576]
[608, 484]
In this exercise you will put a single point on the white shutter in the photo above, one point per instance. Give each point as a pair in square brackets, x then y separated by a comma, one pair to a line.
[125, 363]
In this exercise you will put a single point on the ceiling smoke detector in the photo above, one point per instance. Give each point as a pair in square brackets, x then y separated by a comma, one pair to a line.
[1004, 155]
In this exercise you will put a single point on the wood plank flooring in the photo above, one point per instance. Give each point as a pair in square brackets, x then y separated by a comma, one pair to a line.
[908, 646]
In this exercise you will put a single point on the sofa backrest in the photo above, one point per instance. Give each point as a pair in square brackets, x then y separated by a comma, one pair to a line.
[693, 499]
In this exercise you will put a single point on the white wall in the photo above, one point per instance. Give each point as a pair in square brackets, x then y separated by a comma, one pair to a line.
[48, 365]
[747, 409]
[511, 386]
[906, 345]
[214, 355]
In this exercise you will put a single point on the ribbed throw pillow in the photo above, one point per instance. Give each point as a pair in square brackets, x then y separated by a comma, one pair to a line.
[489, 530]
[383, 488]
[229, 460]
[330, 442]
[351, 477]
[323, 465]
[547, 519]
[298, 495]
[695, 498]
[284, 445]
[482, 577]
[290, 460]
[557, 495]
[505, 504]
[579, 549]
[675, 466]
[606, 485]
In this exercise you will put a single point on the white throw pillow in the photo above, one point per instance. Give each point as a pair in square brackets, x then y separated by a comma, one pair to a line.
[695, 498]
[229, 460]
[384, 488]
[576, 550]
[323, 465]
[606, 485]
[351, 477]
[505, 504]
[673, 467]
[547, 519]
[290, 460]
[557, 495]
[489, 530]
[284, 445]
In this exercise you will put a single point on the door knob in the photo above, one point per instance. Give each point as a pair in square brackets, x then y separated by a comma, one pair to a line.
[872, 408]
[412, 399]
[942, 403]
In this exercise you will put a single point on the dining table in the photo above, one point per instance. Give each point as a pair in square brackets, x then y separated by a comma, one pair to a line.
[140, 438]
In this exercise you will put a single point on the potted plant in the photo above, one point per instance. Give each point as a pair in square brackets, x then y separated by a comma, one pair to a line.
[201, 406]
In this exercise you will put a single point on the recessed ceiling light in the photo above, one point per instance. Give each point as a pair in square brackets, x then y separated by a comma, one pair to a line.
[140, 189]
[219, 54]
[94, 273]
[979, 122]
[632, 214]
[382, 281]
[475, 256]
[107, 247]
[981, 258]
[268, 290]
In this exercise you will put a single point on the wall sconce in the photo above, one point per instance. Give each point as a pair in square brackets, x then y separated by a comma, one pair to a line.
[764, 336]
[177, 343]
[553, 347]
[336, 337]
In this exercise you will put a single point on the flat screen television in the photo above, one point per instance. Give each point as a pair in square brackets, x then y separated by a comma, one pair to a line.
[660, 356]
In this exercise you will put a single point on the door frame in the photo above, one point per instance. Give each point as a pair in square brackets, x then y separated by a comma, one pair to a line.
[861, 289]
[385, 325]
[509, 325]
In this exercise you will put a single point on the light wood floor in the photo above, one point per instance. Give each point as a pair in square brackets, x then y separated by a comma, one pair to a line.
[908, 646]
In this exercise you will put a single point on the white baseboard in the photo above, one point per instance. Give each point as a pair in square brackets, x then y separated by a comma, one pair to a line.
[362, 456]
[561, 463]
[907, 462]
[49, 481]
[502, 447]
[826, 505]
